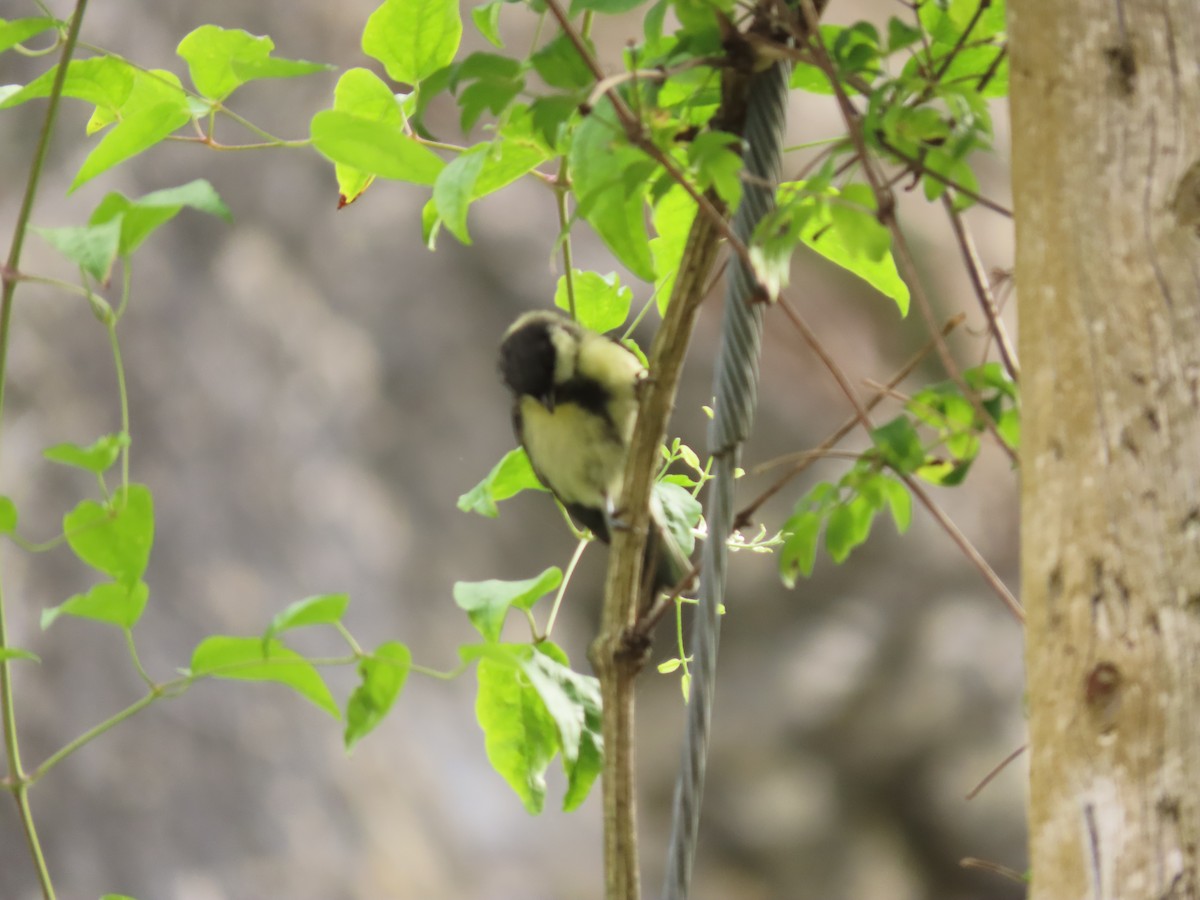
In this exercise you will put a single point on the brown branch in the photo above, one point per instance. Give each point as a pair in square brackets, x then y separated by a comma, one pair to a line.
[983, 289]
[618, 652]
[966, 547]
[996, 770]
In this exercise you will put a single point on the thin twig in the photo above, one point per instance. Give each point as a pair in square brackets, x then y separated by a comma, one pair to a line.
[996, 770]
[835, 370]
[983, 865]
[967, 548]
[20, 787]
[983, 289]
[915, 165]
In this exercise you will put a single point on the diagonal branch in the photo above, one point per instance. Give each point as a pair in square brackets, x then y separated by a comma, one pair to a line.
[983, 289]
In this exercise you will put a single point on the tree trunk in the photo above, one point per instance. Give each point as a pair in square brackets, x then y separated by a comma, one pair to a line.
[1106, 171]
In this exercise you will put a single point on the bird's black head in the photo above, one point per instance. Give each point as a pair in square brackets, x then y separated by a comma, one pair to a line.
[528, 357]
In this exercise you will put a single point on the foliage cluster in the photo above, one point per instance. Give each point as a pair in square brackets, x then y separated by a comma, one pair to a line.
[633, 150]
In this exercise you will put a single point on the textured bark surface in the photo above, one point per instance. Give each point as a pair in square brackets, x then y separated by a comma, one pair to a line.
[1106, 150]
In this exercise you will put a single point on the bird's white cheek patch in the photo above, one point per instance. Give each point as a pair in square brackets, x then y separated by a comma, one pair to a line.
[566, 351]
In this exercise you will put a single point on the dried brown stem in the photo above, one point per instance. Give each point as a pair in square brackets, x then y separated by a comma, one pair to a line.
[967, 548]
[996, 770]
[983, 289]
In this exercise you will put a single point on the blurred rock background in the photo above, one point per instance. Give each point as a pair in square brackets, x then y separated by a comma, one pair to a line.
[311, 390]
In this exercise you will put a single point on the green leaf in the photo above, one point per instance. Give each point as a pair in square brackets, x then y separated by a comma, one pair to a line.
[413, 38]
[673, 216]
[611, 7]
[91, 247]
[519, 734]
[1008, 426]
[718, 165]
[848, 526]
[486, 603]
[323, 609]
[103, 81]
[17, 31]
[430, 225]
[221, 60]
[855, 49]
[678, 512]
[98, 457]
[900, 445]
[507, 159]
[549, 116]
[112, 603]
[18, 653]
[798, 554]
[114, 537]
[560, 65]
[854, 243]
[374, 147]
[508, 477]
[486, 17]
[140, 218]
[945, 20]
[600, 157]
[382, 676]
[971, 64]
[602, 303]
[573, 702]
[250, 659]
[899, 502]
[901, 34]
[8, 515]
[487, 95]
[157, 107]
[486, 66]
[455, 188]
[360, 92]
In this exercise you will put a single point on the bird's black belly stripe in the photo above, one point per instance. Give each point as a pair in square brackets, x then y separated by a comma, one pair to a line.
[587, 394]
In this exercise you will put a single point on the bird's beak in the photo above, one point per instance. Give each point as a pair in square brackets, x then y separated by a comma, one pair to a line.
[547, 400]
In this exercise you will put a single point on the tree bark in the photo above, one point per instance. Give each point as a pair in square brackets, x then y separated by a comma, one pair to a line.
[1106, 172]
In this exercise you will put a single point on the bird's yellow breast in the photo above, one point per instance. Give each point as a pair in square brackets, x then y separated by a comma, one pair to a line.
[579, 455]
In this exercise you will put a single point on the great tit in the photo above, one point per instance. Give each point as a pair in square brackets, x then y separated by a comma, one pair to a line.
[575, 400]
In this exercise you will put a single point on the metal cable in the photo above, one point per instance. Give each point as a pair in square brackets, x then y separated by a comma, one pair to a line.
[735, 388]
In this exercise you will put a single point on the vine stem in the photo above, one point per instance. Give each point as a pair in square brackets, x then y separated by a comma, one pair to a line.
[19, 786]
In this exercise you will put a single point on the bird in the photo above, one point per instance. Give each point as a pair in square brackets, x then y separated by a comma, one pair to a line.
[575, 401]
